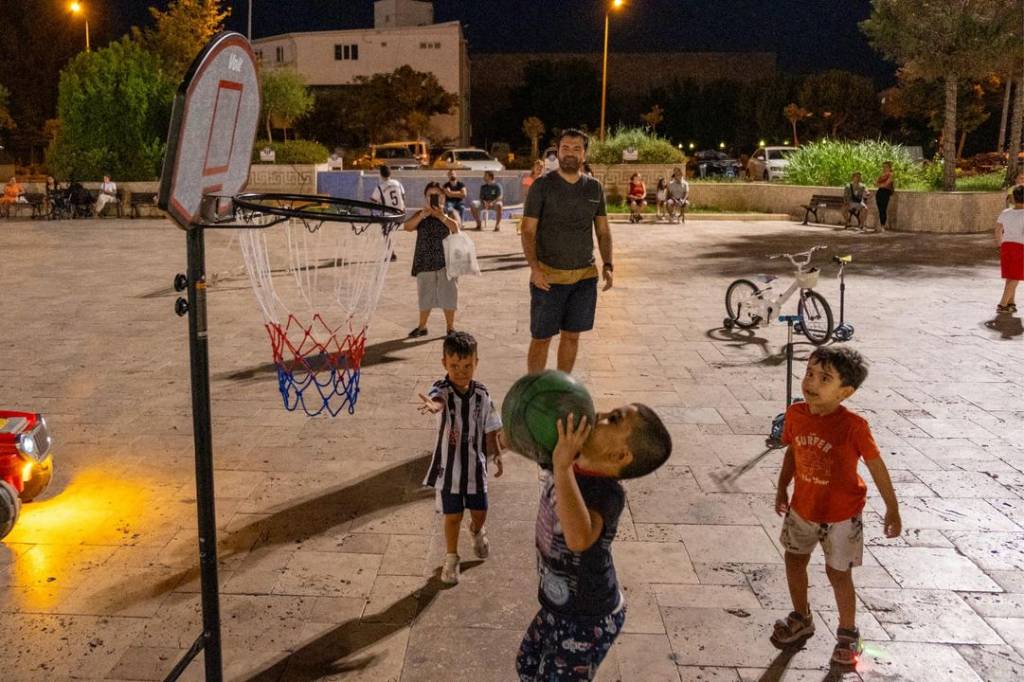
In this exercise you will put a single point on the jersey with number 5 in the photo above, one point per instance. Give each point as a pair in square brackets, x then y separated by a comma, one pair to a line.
[390, 193]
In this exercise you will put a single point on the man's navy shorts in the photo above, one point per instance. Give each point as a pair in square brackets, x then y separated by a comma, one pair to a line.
[566, 307]
[454, 504]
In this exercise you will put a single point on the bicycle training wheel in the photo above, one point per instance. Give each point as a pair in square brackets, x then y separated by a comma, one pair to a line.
[816, 317]
[739, 303]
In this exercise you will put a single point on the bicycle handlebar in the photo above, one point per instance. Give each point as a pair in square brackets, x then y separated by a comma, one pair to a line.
[805, 255]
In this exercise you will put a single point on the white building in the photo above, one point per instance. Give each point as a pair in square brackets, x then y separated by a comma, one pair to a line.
[404, 33]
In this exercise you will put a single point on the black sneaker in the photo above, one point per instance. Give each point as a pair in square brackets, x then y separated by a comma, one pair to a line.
[418, 331]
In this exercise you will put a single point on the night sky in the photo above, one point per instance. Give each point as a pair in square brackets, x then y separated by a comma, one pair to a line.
[807, 35]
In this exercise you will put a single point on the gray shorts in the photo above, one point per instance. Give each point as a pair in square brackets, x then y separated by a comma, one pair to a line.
[435, 290]
[842, 542]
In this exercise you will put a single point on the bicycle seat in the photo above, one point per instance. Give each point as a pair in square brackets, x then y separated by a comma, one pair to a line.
[767, 279]
[842, 259]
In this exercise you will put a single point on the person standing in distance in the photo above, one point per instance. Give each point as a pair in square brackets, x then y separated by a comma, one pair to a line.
[389, 193]
[563, 211]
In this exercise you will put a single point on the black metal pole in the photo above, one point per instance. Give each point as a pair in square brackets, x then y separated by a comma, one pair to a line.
[202, 433]
[842, 295]
[789, 363]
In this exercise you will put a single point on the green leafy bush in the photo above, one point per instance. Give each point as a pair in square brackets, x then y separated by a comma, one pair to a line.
[651, 148]
[292, 151]
[831, 163]
[113, 106]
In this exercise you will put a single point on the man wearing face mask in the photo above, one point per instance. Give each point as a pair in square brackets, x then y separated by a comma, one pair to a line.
[563, 212]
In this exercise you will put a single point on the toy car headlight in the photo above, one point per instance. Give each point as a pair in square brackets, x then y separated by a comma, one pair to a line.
[27, 445]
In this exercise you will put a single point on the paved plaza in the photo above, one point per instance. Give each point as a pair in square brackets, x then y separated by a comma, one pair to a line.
[329, 547]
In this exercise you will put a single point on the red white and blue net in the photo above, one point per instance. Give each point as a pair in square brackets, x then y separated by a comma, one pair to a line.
[317, 284]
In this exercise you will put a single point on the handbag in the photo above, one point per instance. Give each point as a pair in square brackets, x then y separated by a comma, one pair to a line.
[460, 255]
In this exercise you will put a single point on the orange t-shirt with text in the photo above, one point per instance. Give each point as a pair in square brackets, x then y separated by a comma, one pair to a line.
[827, 487]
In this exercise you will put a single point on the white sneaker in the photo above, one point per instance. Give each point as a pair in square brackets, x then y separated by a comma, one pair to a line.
[481, 547]
[450, 570]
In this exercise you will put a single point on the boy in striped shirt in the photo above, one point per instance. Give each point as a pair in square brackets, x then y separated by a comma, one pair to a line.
[468, 425]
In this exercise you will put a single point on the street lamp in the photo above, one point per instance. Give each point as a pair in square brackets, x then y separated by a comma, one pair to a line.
[615, 4]
[78, 8]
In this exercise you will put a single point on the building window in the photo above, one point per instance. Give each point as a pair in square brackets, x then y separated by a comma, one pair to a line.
[437, 46]
[279, 54]
[259, 55]
[423, 46]
[346, 52]
[384, 44]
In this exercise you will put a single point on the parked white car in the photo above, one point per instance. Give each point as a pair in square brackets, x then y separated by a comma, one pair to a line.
[769, 163]
[468, 158]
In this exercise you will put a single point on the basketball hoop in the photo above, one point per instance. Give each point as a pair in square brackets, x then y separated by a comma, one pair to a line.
[317, 281]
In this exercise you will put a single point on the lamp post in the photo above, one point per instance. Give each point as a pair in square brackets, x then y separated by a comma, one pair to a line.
[616, 4]
[78, 8]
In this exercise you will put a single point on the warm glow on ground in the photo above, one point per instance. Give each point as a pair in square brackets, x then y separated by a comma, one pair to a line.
[71, 530]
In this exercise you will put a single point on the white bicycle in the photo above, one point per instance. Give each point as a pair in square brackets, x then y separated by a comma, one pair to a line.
[749, 305]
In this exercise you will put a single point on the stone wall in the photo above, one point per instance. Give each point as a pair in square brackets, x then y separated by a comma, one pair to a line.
[291, 178]
[945, 212]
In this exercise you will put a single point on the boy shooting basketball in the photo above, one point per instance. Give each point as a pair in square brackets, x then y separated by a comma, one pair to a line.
[826, 441]
[468, 425]
[581, 607]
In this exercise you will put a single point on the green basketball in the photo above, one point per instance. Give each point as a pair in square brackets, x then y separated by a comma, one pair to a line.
[532, 408]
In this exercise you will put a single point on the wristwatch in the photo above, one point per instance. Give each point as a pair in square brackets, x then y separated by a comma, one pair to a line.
[609, 266]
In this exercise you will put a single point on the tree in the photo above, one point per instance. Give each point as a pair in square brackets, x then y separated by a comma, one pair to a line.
[113, 105]
[654, 117]
[285, 98]
[843, 103]
[795, 113]
[925, 101]
[6, 120]
[943, 40]
[400, 102]
[533, 128]
[181, 32]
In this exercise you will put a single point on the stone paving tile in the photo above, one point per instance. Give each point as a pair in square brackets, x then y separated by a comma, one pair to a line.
[995, 551]
[736, 638]
[927, 616]
[645, 657]
[1011, 630]
[994, 662]
[914, 662]
[484, 654]
[693, 673]
[930, 568]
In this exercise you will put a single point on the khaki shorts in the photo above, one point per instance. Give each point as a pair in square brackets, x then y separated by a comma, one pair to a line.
[435, 290]
[842, 542]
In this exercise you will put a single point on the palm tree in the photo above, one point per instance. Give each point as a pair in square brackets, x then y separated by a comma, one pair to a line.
[795, 113]
[533, 128]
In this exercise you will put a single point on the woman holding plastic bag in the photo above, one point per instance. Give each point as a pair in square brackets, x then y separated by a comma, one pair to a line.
[434, 289]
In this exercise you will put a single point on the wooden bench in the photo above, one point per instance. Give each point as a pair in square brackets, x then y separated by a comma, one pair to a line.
[140, 199]
[118, 202]
[34, 202]
[822, 202]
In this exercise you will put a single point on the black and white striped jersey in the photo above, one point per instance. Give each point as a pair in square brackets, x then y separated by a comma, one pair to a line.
[459, 464]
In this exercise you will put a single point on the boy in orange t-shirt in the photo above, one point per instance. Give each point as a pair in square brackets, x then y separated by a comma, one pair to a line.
[825, 442]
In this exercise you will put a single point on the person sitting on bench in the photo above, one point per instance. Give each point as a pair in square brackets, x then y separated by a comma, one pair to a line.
[108, 194]
[856, 195]
[636, 198]
[490, 199]
[678, 193]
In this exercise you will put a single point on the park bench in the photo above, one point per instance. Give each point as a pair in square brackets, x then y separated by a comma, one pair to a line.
[34, 202]
[140, 199]
[822, 202]
[118, 202]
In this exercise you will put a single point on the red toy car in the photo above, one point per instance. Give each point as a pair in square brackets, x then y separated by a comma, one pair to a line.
[26, 465]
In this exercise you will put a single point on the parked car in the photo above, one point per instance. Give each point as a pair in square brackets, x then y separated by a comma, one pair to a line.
[769, 163]
[26, 464]
[468, 158]
[405, 155]
[712, 162]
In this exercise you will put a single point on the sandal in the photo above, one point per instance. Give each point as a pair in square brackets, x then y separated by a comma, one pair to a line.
[1003, 309]
[418, 331]
[795, 627]
[848, 647]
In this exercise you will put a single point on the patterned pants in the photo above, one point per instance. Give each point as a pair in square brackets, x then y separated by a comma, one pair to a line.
[558, 649]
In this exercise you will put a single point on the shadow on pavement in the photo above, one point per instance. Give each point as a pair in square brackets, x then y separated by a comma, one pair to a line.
[379, 491]
[739, 338]
[874, 255]
[324, 655]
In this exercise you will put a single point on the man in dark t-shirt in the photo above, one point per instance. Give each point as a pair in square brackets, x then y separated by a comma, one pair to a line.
[490, 200]
[582, 609]
[563, 212]
[454, 195]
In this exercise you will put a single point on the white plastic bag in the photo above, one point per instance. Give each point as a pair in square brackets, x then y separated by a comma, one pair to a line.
[460, 256]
